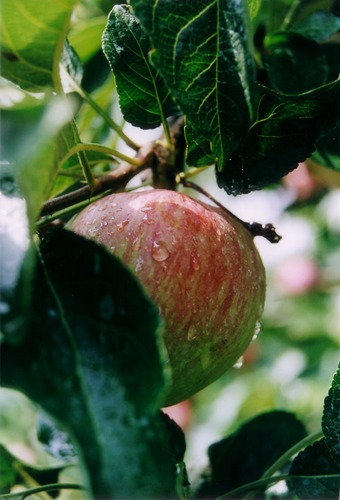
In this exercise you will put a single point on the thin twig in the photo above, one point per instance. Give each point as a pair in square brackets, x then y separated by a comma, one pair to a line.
[266, 231]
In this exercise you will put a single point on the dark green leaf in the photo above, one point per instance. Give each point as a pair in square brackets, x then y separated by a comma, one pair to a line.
[176, 438]
[284, 134]
[32, 41]
[331, 419]
[92, 360]
[204, 52]
[143, 96]
[245, 455]
[315, 460]
[318, 26]
[8, 474]
[287, 13]
[301, 58]
[328, 150]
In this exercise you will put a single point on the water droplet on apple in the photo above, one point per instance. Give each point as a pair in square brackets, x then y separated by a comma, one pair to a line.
[146, 220]
[192, 333]
[121, 225]
[195, 263]
[258, 330]
[159, 252]
[139, 264]
[239, 363]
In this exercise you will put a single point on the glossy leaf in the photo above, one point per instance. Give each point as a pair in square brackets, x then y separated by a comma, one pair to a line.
[204, 53]
[314, 461]
[285, 133]
[301, 58]
[331, 419]
[72, 66]
[245, 455]
[94, 332]
[32, 40]
[143, 96]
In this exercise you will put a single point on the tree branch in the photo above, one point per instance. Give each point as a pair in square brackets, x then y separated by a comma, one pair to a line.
[115, 180]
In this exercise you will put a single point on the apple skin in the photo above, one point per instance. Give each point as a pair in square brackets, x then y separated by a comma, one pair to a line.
[198, 264]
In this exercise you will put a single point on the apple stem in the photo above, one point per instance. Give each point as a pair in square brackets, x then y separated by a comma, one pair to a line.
[265, 230]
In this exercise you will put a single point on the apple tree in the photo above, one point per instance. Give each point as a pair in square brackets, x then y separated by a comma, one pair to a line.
[128, 283]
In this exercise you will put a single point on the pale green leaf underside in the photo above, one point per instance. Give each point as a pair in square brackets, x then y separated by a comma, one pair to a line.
[32, 38]
[203, 51]
[143, 96]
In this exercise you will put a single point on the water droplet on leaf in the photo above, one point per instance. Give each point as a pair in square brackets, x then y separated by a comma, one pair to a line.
[258, 330]
[239, 363]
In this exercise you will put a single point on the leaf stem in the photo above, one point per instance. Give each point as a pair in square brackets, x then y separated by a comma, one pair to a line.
[254, 485]
[39, 489]
[87, 171]
[256, 229]
[281, 461]
[81, 146]
[285, 457]
[70, 210]
[106, 117]
[289, 16]
[117, 179]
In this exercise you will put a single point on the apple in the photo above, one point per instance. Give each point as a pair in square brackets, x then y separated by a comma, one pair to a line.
[199, 265]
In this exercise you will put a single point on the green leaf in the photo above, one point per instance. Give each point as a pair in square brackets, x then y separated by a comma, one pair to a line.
[86, 38]
[72, 65]
[301, 58]
[32, 41]
[94, 344]
[315, 461]
[331, 419]
[30, 136]
[203, 50]
[285, 132]
[28, 171]
[245, 455]
[143, 96]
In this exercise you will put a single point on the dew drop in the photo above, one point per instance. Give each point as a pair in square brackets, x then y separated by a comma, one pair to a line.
[146, 220]
[195, 263]
[122, 225]
[258, 329]
[160, 252]
[139, 264]
[239, 363]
